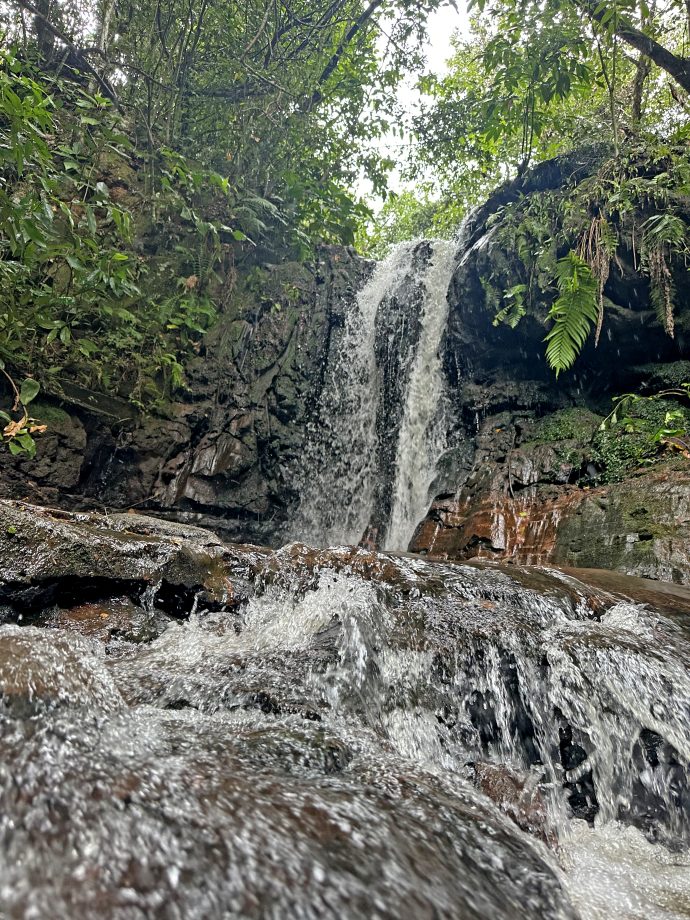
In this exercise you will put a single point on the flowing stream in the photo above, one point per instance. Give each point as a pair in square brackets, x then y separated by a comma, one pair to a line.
[380, 430]
[366, 736]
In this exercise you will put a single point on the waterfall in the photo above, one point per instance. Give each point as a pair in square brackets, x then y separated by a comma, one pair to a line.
[339, 464]
[372, 450]
[422, 434]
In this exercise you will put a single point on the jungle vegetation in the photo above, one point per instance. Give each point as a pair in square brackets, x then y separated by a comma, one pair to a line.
[153, 152]
[534, 81]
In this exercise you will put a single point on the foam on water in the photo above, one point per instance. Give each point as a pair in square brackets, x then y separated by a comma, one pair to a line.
[614, 871]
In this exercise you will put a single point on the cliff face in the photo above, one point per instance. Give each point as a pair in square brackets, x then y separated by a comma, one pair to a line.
[222, 454]
[527, 476]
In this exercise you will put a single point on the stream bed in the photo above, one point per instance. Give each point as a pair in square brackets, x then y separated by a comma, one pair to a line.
[340, 734]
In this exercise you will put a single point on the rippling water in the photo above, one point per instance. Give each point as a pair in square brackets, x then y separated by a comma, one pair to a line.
[368, 736]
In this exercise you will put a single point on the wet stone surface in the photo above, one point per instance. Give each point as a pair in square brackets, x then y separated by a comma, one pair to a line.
[351, 734]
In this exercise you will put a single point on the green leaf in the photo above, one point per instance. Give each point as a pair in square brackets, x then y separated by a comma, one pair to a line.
[29, 390]
[573, 313]
[23, 444]
[73, 262]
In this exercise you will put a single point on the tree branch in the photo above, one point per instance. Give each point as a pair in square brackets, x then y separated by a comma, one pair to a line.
[356, 27]
[676, 67]
[78, 56]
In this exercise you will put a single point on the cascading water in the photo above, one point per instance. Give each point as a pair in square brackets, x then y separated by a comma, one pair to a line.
[421, 439]
[339, 467]
[373, 448]
[365, 737]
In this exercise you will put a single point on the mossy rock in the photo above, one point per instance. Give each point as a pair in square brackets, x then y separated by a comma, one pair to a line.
[663, 375]
[49, 414]
[655, 411]
[117, 168]
[639, 526]
[567, 425]
[618, 452]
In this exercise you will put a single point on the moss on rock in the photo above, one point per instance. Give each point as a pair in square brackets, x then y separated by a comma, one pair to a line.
[567, 425]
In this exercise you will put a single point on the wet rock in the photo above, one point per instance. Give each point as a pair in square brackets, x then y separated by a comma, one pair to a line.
[184, 830]
[45, 670]
[517, 795]
[662, 777]
[64, 558]
[638, 527]
[303, 752]
[116, 618]
[671, 600]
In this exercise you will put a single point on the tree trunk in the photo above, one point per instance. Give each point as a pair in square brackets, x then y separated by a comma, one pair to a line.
[44, 37]
[644, 65]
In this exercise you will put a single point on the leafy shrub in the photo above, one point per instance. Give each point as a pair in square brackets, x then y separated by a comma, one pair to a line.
[79, 298]
[617, 452]
[640, 429]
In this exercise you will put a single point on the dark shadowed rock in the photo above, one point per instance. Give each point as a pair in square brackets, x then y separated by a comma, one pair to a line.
[220, 455]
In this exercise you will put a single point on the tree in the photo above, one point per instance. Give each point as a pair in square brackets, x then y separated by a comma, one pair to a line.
[151, 151]
[499, 108]
[261, 92]
[534, 81]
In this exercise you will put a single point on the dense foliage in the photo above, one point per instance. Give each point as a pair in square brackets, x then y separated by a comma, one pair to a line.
[283, 99]
[641, 430]
[535, 80]
[82, 298]
[151, 151]
[632, 209]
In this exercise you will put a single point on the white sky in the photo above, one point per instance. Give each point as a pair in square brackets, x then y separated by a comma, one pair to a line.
[442, 24]
[441, 27]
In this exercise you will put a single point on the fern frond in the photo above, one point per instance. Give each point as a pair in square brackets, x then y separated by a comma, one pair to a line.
[664, 236]
[662, 291]
[598, 245]
[573, 312]
[515, 308]
[665, 230]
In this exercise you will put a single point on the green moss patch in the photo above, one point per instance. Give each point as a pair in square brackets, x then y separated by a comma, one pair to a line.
[567, 425]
